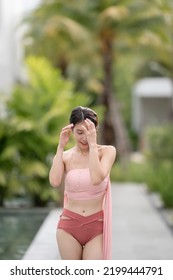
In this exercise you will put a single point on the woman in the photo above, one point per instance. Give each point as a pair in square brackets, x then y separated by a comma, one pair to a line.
[84, 228]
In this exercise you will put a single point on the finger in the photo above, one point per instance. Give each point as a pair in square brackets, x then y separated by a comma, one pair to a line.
[84, 128]
[68, 126]
[89, 123]
[66, 132]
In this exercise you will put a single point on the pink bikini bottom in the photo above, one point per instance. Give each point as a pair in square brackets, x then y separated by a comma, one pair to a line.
[82, 228]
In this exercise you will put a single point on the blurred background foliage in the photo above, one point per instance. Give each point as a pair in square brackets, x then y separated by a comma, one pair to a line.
[155, 169]
[36, 112]
[86, 53]
[104, 46]
[159, 152]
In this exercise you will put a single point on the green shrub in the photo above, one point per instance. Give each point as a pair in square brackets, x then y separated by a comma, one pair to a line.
[132, 172]
[159, 143]
[160, 179]
[36, 112]
[159, 154]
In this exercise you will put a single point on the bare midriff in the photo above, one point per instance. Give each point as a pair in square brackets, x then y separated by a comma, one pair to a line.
[85, 207]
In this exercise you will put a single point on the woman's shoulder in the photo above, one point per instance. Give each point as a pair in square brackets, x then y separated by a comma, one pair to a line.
[107, 151]
[68, 153]
[107, 148]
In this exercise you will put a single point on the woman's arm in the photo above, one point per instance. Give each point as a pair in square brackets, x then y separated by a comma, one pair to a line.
[99, 168]
[57, 168]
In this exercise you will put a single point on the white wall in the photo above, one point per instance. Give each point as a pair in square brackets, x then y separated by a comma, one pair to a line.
[11, 51]
[151, 103]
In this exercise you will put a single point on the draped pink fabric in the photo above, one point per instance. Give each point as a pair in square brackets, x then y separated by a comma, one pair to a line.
[107, 226]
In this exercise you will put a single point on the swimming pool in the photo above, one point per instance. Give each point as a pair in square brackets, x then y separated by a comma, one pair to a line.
[17, 229]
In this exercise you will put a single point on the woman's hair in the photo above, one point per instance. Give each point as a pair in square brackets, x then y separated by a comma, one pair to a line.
[80, 113]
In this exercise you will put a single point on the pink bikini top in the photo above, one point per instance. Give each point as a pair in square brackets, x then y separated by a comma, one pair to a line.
[78, 185]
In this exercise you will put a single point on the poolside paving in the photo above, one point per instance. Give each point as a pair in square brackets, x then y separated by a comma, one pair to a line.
[43, 246]
[139, 230]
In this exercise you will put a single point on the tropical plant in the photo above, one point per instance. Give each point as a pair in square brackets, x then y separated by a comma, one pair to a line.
[159, 154]
[159, 143]
[7, 156]
[87, 39]
[156, 48]
[36, 112]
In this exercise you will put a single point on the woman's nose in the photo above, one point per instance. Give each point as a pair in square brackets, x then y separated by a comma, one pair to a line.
[83, 137]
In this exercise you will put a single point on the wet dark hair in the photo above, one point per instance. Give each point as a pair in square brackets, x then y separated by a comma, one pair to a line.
[80, 113]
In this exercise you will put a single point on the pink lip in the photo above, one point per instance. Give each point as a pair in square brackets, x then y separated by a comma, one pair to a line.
[84, 143]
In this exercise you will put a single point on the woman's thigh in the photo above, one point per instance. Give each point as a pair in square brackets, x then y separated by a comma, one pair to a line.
[93, 250]
[69, 247]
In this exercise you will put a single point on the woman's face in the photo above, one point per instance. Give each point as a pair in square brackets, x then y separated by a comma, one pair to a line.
[80, 136]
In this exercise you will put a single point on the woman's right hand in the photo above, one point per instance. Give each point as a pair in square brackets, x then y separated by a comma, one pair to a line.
[65, 135]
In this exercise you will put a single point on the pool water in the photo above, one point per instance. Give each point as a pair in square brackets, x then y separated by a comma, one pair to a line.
[17, 229]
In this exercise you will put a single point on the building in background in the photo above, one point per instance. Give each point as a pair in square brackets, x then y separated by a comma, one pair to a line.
[152, 104]
[11, 51]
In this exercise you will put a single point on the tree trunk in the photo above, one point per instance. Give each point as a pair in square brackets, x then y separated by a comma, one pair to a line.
[113, 130]
[2, 195]
[119, 130]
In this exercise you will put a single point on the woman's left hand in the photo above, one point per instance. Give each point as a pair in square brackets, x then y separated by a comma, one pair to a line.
[90, 132]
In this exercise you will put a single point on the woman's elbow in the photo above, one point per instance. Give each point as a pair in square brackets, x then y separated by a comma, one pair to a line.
[54, 182]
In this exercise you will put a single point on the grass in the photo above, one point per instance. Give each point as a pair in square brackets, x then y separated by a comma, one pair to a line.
[133, 172]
